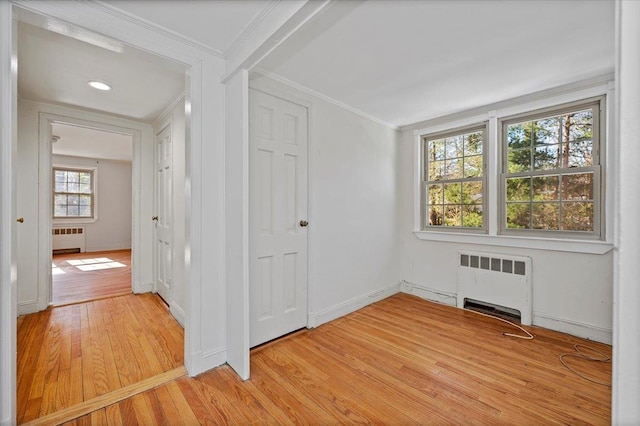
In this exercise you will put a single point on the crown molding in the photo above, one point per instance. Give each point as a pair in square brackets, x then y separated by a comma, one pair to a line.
[152, 26]
[328, 99]
[251, 27]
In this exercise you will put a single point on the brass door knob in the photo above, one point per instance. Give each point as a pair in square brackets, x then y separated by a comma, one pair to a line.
[20, 220]
[304, 223]
[155, 218]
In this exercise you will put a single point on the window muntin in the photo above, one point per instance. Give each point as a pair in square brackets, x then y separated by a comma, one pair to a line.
[454, 180]
[73, 193]
[551, 171]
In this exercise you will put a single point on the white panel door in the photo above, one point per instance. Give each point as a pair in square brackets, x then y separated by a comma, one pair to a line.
[163, 216]
[277, 217]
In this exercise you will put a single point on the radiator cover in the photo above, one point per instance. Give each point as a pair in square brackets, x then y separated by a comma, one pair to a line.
[498, 279]
[72, 237]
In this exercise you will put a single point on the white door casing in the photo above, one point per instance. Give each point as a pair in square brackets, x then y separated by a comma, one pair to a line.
[277, 217]
[163, 215]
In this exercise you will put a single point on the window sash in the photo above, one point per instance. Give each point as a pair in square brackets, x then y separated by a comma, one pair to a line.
[426, 182]
[90, 194]
[596, 107]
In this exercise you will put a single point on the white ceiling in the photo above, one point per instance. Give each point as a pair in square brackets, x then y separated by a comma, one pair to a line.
[408, 61]
[55, 68]
[91, 143]
[212, 23]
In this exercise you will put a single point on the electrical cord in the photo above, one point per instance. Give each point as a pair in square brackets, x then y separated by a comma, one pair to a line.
[581, 355]
[528, 336]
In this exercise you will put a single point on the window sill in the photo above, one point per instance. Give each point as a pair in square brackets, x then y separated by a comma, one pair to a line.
[575, 246]
[73, 221]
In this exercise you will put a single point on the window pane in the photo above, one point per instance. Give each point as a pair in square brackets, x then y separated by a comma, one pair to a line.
[84, 188]
[436, 150]
[547, 131]
[519, 160]
[452, 193]
[73, 199]
[472, 192]
[580, 153]
[452, 216]
[545, 215]
[436, 170]
[577, 216]
[519, 189]
[435, 215]
[73, 177]
[473, 144]
[454, 146]
[577, 126]
[436, 194]
[453, 168]
[84, 210]
[85, 178]
[85, 200]
[519, 135]
[60, 199]
[473, 166]
[472, 216]
[546, 188]
[60, 210]
[577, 186]
[72, 187]
[61, 186]
[518, 215]
[72, 210]
[545, 157]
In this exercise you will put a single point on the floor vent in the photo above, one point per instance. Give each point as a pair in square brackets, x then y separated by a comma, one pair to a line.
[491, 309]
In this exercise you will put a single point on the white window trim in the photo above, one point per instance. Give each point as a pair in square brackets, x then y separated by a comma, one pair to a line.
[79, 220]
[494, 167]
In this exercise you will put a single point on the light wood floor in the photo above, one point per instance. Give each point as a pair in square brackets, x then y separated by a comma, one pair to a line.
[400, 361]
[73, 353]
[103, 276]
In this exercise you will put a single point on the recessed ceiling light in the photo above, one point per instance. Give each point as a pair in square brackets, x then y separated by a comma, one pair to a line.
[99, 85]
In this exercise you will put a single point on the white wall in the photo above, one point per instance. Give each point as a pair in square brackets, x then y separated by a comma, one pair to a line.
[175, 118]
[353, 251]
[572, 292]
[112, 229]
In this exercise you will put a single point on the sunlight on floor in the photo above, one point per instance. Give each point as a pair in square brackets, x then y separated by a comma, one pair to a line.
[92, 264]
[55, 270]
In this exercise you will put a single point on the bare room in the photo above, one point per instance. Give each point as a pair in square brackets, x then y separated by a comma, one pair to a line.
[319, 212]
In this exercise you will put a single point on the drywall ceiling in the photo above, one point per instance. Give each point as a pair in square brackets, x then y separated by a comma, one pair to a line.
[408, 61]
[55, 68]
[91, 143]
[212, 23]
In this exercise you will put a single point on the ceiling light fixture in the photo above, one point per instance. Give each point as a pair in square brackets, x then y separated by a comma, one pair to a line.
[99, 85]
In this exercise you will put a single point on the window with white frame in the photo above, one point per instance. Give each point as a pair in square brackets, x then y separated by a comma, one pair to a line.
[73, 193]
[454, 180]
[551, 172]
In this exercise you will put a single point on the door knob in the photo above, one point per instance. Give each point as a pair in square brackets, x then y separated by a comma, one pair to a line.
[20, 219]
[155, 218]
[304, 223]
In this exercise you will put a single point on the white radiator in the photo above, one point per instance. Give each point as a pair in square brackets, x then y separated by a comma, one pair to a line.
[497, 279]
[69, 238]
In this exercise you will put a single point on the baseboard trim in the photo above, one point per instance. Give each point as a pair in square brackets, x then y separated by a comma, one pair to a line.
[551, 322]
[317, 318]
[203, 361]
[575, 328]
[430, 294]
[178, 314]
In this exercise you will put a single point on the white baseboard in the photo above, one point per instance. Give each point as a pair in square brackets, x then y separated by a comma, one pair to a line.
[142, 288]
[563, 325]
[317, 318]
[430, 294]
[178, 314]
[200, 362]
[575, 328]
[112, 247]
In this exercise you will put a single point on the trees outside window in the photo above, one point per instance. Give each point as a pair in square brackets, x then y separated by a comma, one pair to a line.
[454, 182]
[551, 171]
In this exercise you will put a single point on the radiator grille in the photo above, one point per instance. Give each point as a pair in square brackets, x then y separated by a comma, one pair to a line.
[496, 279]
[68, 239]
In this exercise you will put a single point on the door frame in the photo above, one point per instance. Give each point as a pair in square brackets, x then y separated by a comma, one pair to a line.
[202, 68]
[45, 221]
